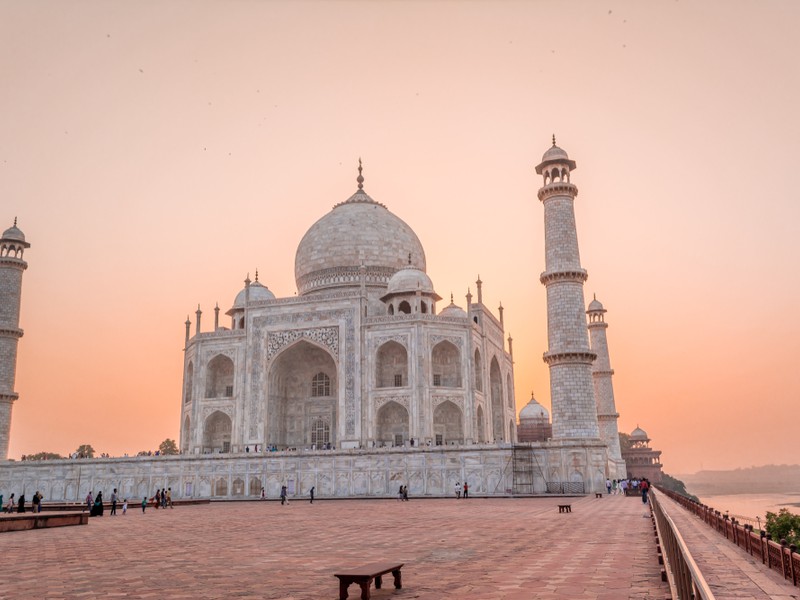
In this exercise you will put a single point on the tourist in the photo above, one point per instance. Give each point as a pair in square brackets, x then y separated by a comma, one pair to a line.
[608, 486]
[466, 490]
[36, 503]
[125, 506]
[163, 498]
[144, 504]
[2, 506]
[157, 499]
[311, 493]
[113, 512]
[97, 507]
[89, 501]
[10, 507]
[169, 498]
[645, 487]
[405, 493]
[263, 494]
[21, 504]
[458, 490]
[284, 499]
[400, 494]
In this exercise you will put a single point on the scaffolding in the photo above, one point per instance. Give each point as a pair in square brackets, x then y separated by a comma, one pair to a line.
[525, 467]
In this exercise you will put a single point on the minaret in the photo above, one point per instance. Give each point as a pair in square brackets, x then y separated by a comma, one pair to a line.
[568, 355]
[12, 246]
[607, 414]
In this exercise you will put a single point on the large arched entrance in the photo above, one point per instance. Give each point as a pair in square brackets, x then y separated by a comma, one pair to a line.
[217, 433]
[448, 425]
[303, 392]
[392, 424]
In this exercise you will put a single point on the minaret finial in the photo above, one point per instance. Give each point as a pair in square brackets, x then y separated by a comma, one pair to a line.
[360, 178]
[554, 139]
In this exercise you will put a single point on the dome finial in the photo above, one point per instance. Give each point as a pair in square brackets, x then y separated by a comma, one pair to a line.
[256, 273]
[409, 259]
[554, 139]
[360, 178]
[15, 221]
[451, 298]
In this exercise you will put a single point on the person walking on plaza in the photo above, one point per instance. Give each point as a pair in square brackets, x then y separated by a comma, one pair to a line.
[89, 501]
[645, 487]
[608, 486]
[113, 512]
[157, 499]
[125, 506]
[169, 498]
[2, 506]
[458, 490]
[405, 493]
[144, 504]
[10, 507]
[284, 499]
[21, 504]
[263, 494]
[97, 508]
[466, 490]
[311, 493]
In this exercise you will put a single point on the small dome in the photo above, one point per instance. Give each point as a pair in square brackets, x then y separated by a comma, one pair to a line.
[595, 305]
[533, 410]
[554, 153]
[408, 280]
[258, 292]
[14, 233]
[453, 310]
[639, 434]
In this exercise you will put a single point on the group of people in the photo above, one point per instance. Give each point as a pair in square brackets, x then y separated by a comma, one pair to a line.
[36, 503]
[402, 494]
[462, 491]
[621, 486]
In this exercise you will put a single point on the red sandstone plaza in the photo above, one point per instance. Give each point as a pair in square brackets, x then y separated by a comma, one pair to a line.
[501, 548]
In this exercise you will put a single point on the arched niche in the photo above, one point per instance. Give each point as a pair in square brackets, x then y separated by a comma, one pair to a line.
[496, 393]
[186, 434]
[480, 425]
[391, 424]
[448, 424]
[217, 433]
[391, 365]
[446, 365]
[187, 383]
[219, 377]
[478, 366]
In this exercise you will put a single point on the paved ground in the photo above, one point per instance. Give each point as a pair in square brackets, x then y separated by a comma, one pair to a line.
[729, 571]
[487, 549]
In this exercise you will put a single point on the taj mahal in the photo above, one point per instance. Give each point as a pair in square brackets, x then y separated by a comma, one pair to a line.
[365, 379]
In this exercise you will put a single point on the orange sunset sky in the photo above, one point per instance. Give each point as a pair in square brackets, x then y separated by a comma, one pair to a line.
[157, 152]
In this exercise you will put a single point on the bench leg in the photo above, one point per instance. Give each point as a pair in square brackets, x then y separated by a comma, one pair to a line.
[398, 584]
[343, 585]
[365, 589]
[378, 582]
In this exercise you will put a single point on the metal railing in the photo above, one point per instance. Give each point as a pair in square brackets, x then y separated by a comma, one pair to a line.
[779, 557]
[686, 582]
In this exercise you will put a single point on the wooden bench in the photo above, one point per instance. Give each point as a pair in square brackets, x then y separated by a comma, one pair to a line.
[598, 495]
[364, 575]
[563, 508]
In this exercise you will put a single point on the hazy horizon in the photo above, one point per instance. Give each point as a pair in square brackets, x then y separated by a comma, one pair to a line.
[157, 153]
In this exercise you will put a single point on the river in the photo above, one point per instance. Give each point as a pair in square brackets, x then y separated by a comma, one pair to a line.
[753, 505]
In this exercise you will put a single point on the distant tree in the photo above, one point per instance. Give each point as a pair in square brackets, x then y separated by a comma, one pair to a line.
[624, 442]
[784, 526]
[676, 485]
[43, 456]
[168, 446]
[85, 450]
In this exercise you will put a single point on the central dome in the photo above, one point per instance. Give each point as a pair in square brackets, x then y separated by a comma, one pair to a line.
[356, 232]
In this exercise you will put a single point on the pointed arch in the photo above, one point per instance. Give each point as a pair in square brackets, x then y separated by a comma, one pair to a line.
[496, 393]
[219, 377]
[392, 424]
[509, 394]
[186, 434]
[187, 383]
[446, 365]
[480, 425]
[478, 366]
[391, 365]
[217, 433]
[448, 424]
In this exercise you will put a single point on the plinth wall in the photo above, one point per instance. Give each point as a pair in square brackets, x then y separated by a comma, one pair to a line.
[428, 471]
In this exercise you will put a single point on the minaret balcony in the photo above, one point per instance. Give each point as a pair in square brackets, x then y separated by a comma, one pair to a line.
[559, 188]
[583, 357]
[13, 333]
[578, 275]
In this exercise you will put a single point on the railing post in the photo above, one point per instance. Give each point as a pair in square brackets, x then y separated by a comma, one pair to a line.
[764, 554]
[793, 550]
[768, 538]
[784, 570]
